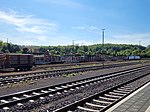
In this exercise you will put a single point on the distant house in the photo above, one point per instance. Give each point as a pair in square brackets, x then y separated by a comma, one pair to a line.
[35, 50]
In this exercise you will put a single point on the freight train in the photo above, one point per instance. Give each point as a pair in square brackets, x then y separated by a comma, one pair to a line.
[27, 61]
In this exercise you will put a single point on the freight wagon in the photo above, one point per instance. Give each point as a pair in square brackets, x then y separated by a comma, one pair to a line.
[17, 61]
[2, 60]
[39, 60]
[133, 57]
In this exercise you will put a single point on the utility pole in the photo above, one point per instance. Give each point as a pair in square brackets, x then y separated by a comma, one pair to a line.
[73, 46]
[73, 51]
[139, 51]
[103, 34]
[7, 40]
[7, 46]
[139, 46]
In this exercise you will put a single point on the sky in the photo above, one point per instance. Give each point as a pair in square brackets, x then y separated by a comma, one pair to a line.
[59, 22]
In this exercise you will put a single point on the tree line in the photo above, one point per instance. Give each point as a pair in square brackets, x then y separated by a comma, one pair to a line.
[9, 48]
[107, 49]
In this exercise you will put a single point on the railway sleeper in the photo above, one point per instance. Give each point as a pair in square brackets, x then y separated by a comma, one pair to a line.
[34, 93]
[43, 91]
[83, 109]
[112, 96]
[122, 92]
[16, 98]
[125, 90]
[118, 94]
[101, 102]
[93, 106]
[25, 95]
[107, 99]
[4, 101]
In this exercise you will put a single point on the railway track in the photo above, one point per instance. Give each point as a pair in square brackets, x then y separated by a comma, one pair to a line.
[102, 101]
[16, 78]
[64, 65]
[21, 101]
[45, 67]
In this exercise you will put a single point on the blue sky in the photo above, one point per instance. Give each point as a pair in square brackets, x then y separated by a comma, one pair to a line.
[59, 22]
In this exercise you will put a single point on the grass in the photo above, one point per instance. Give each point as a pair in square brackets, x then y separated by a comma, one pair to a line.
[72, 74]
[20, 84]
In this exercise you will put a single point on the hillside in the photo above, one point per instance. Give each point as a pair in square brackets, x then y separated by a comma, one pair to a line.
[109, 49]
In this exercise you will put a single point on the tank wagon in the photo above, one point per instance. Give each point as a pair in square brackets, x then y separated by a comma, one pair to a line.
[16, 61]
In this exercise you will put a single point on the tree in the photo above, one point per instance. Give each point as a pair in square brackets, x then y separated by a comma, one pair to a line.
[25, 50]
[15, 48]
[4, 49]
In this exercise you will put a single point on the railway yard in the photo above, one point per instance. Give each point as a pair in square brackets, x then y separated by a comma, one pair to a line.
[74, 56]
[89, 87]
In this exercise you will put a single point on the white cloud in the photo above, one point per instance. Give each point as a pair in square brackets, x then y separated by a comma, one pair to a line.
[42, 38]
[79, 27]
[144, 38]
[84, 42]
[133, 36]
[27, 23]
[87, 28]
[26, 42]
[92, 28]
[68, 40]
